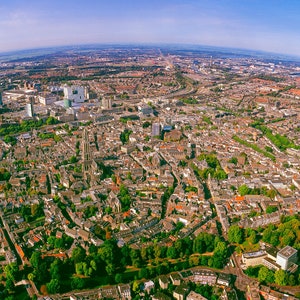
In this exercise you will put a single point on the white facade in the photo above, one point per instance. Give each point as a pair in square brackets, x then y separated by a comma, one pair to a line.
[74, 93]
[47, 99]
[286, 257]
[29, 110]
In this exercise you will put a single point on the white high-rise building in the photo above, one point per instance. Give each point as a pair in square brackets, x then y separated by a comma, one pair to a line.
[29, 109]
[286, 257]
[74, 93]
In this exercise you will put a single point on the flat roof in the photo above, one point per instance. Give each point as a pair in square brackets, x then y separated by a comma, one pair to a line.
[287, 251]
[254, 254]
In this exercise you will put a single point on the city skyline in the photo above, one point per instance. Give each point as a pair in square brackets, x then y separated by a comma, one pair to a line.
[271, 26]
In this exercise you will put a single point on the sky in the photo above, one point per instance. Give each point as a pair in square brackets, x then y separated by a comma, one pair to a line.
[268, 25]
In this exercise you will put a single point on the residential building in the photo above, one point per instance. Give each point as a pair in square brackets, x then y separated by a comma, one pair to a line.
[224, 279]
[124, 290]
[195, 296]
[175, 278]
[163, 281]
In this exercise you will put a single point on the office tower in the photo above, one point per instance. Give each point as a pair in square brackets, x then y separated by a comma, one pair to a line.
[286, 257]
[29, 108]
[155, 129]
[74, 93]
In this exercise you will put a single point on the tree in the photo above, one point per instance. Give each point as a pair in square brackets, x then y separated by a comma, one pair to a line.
[271, 208]
[143, 273]
[281, 277]
[78, 254]
[119, 278]
[31, 276]
[51, 121]
[235, 234]
[9, 284]
[291, 280]
[36, 259]
[77, 283]
[265, 275]
[243, 190]
[110, 269]
[253, 237]
[53, 286]
[11, 271]
[136, 286]
[56, 269]
[171, 252]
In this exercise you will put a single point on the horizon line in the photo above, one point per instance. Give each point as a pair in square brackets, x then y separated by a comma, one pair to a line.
[157, 44]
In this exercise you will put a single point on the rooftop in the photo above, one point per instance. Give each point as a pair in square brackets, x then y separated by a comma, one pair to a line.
[287, 252]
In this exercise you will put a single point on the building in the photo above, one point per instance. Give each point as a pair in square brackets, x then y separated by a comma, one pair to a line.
[145, 109]
[47, 99]
[149, 285]
[180, 292]
[106, 103]
[253, 258]
[29, 108]
[224, 279]
[163, 281]
[124, 290]
[270, 264]
[155, 129]
[204, 276]
[74, 93]
[175, 278]
[286, 257]
[195, 296]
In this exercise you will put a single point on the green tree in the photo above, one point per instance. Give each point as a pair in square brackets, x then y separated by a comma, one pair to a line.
[119, 278]
[171, 252]
[53, 286]
[11, 271]
[78, 255]
[243, 190]
[236, 234]
[265, 275]
[271, 208]
[56, 269]
[77, 283]
[291, 280]
[9, 284]
[143, 273]
[281, 277]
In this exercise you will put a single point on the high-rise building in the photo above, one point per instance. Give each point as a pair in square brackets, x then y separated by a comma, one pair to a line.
[155, 129]
[286, 257]
[107, 103]
[29, 108]
[74, 93]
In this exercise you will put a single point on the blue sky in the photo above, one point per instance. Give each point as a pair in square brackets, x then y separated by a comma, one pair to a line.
[270, 25]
